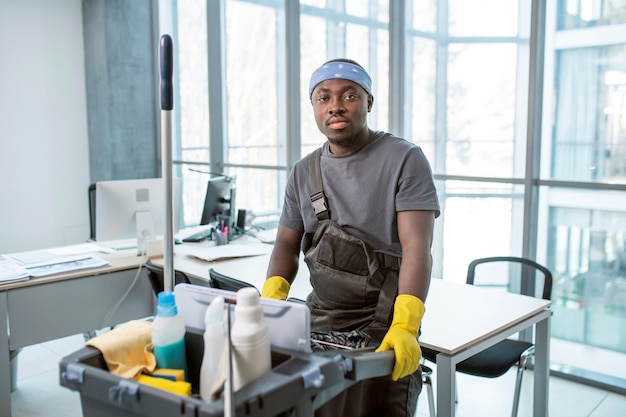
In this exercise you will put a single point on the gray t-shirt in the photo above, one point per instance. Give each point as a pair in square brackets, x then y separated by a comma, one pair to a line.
[364, 189]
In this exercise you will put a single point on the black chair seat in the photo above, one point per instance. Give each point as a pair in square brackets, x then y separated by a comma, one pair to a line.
[490, 363]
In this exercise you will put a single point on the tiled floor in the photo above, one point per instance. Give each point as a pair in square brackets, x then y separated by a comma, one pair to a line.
[39, 392]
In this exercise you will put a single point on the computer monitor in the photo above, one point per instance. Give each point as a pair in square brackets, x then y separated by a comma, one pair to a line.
[126, 209]
[219, 201]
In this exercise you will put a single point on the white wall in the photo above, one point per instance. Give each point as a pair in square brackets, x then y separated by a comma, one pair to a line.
[44, 166]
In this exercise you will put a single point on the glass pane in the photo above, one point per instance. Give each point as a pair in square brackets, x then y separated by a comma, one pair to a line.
[194, 181]
[481, 111]
[313, 41]
[479, 220]
[577, 14]
[424, 15]
[192, 110]
[252, 79]
[589, 139]
[483, 17]
[586, 250]
[192, 71]
[421, 112]
[357, 8]
[258, 189]
[316, 3]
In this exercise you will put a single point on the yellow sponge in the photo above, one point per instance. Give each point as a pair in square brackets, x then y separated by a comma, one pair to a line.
[177, 387]
[171, 374]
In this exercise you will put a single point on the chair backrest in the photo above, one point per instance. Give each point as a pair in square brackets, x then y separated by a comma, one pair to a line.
[520, 275]
[224, 282]
[155, 275]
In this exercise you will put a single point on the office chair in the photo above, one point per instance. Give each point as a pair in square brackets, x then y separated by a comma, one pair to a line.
[522, 276]
[155, 275]
[224, 282]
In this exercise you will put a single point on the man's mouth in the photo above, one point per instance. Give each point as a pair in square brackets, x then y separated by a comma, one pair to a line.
[337, 123]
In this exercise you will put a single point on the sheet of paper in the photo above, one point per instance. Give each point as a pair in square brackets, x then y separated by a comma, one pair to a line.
[11, 271]
[64, 264]
[80, 249]
[215, 253]
[33, 257]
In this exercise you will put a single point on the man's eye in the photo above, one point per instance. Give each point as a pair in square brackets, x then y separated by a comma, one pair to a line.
[321, 99]
[351, 97]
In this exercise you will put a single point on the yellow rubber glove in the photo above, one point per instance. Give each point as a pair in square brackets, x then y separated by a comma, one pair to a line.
[276, 287]
[402, 335]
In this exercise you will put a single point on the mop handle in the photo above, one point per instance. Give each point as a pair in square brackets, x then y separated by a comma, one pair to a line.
[167, 104]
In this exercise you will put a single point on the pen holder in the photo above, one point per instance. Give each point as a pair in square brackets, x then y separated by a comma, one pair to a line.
[220, 237]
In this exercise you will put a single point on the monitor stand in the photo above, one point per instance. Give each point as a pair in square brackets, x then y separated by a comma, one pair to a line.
[145, 230]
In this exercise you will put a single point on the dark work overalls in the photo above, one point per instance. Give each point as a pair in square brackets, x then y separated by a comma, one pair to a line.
[354, 288]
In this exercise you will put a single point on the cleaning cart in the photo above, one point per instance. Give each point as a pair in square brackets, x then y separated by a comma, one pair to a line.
[298, 383]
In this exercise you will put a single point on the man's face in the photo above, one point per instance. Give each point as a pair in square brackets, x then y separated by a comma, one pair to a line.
[340, 108]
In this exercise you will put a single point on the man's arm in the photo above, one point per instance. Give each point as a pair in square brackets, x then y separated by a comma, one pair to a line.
[415, 229]
[284, 261]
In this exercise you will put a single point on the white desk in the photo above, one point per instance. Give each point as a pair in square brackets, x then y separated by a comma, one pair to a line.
[460, 321]
[48, 308]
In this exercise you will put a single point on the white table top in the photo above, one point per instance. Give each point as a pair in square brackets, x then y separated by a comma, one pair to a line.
[471, 313]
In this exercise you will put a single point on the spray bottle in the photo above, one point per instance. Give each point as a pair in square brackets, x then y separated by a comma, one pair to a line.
[212, 371]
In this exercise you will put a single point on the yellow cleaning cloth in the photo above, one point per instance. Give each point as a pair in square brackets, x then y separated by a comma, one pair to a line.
[127, 349]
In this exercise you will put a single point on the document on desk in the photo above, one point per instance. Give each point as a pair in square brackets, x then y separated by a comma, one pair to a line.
[42, 263]
[11, 271]
[64, 264]
[222, 252]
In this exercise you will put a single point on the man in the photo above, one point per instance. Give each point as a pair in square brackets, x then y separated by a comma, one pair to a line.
[365, 226]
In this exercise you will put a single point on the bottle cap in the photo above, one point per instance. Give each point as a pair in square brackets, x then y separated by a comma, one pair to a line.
[166, 306]
[248, 305]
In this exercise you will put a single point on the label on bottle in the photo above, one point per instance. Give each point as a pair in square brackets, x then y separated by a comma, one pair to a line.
[171, 356]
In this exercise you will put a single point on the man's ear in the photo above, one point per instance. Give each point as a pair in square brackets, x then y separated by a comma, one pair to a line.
[370, 102]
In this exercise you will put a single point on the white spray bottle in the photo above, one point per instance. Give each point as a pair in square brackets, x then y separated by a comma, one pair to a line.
[212, 370]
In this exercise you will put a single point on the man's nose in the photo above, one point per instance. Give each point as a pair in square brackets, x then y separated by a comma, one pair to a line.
[336, 107]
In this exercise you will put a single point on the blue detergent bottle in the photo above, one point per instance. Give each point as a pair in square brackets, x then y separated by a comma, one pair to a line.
[168, 334]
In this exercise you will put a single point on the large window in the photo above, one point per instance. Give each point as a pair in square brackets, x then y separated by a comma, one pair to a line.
[527, 163]
[582, 205]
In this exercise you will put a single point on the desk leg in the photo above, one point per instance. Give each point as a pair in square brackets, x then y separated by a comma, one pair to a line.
[445, 386]
[5, 365]
[542, 367]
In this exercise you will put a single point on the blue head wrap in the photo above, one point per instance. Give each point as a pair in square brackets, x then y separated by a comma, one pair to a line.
[343, 70]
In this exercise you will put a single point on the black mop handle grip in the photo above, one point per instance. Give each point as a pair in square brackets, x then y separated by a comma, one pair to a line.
[167, 88]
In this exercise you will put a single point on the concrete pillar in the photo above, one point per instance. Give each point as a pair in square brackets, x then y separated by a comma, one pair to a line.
[121, 67]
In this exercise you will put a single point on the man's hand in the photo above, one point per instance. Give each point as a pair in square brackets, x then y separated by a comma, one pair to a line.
[402, 335]
[276, 287]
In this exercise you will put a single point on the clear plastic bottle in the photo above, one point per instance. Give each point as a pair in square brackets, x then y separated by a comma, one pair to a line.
[250, 340]
[168, 334]
[212, 370]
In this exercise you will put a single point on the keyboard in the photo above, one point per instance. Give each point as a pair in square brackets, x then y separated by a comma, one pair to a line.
[199, 236]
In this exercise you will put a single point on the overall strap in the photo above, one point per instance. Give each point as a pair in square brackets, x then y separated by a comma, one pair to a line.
[318, 200]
